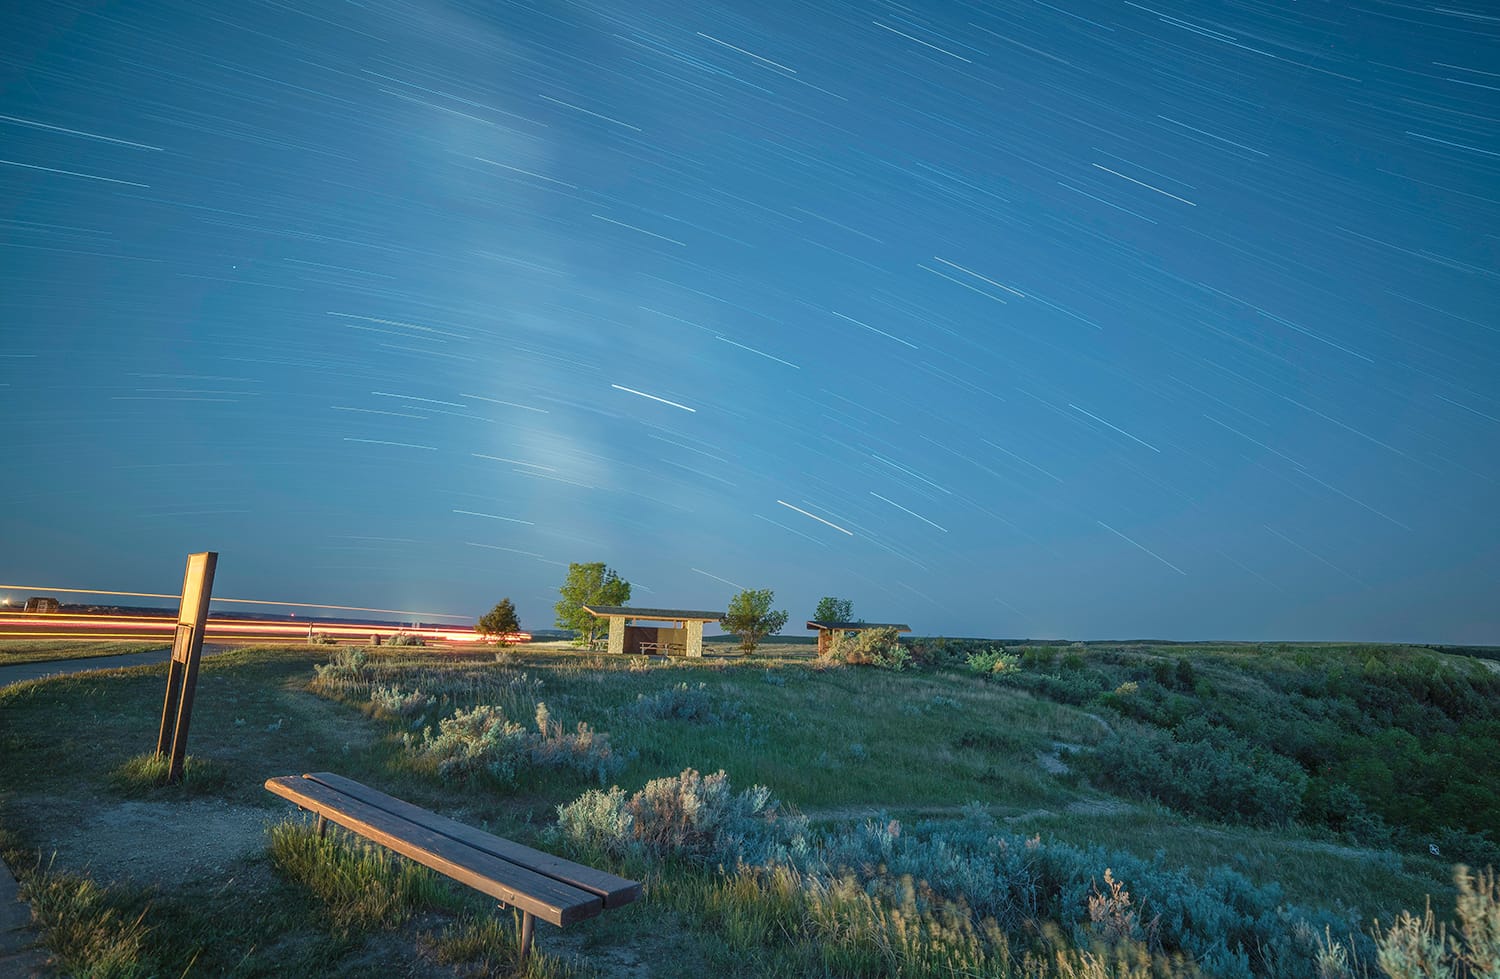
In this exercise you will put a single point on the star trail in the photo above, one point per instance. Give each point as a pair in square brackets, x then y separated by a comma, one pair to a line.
[1082, 319]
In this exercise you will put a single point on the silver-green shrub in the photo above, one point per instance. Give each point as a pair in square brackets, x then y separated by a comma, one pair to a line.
[1005, 884]
[681, 702]
[694, 817]
[393, 701]
[482, 740]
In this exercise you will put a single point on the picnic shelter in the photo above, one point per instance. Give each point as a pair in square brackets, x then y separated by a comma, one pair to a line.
[682, 636]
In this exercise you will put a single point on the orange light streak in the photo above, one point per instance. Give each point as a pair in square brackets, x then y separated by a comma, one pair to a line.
[222, 629]
[241, 601]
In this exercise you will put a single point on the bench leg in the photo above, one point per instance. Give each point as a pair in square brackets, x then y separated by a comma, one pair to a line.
[528, 924]
[322, 826]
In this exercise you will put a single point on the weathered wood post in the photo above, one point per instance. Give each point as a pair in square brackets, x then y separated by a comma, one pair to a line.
[528, 926]
[187, 649]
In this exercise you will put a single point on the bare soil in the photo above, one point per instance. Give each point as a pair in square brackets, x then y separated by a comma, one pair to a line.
[148, 843]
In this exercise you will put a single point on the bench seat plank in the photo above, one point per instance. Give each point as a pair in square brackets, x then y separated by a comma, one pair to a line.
[614, 891]
[548, 899]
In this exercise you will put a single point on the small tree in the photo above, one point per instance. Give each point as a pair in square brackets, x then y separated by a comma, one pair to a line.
[832, 609]
[500, 620]
[750, 617]
[588, 584]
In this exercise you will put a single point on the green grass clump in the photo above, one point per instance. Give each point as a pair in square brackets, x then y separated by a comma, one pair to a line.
[362, 886]
[484, 945]
[145, 774]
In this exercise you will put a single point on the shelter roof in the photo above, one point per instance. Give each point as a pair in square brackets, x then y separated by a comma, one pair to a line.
[858, 626]
[629, 612]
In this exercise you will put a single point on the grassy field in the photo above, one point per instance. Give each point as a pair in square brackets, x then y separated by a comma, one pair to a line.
[16, 651]
[217, 877]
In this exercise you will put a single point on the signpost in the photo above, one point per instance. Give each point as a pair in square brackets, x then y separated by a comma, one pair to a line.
[187, 649]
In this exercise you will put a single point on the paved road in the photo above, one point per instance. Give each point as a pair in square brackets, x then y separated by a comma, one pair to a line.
[56, 667]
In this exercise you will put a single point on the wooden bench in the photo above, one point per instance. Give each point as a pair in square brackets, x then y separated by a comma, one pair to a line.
[537, 884]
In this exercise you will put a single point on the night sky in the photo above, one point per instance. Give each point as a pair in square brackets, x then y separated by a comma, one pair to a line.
[1077, 319]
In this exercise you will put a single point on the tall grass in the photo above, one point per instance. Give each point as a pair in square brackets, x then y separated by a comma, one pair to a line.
[361, 886]
[86, 932]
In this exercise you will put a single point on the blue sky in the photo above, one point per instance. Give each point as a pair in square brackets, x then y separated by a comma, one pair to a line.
[1086, 320]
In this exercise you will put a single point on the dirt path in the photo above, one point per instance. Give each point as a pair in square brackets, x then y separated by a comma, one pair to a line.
[106, 842]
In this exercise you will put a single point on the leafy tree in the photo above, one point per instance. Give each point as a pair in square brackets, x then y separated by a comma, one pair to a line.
[588, 584]
[750, 617]
[500, 620]
[834, 610]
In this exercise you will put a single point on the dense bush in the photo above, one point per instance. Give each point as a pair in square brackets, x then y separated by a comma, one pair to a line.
[1393, 744]
[943, 653]
[993, 660]
[869, 647]
[1202, 769]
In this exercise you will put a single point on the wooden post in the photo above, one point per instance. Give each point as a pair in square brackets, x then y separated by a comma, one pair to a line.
[528, 925]
[187, 650]
[174, 690]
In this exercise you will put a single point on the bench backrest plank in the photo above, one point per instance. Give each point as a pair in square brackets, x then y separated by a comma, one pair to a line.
[614, 891]
[547, 898]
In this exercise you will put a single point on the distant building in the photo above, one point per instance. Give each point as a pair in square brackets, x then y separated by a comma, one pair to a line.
[38, 604]
[684, 637]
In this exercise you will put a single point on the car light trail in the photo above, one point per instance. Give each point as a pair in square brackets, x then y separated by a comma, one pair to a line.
[215, 600]
[62, 626]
